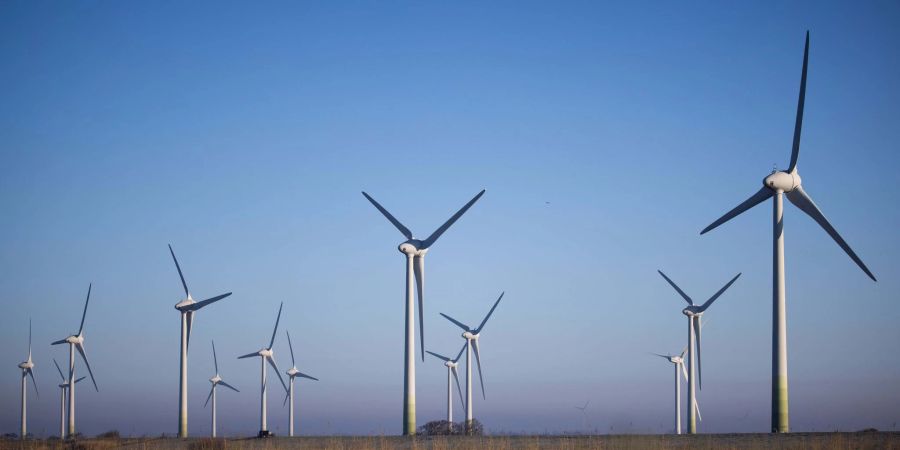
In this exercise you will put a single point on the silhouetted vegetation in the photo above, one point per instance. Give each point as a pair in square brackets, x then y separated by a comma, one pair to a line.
[111, 434]
[445, 428]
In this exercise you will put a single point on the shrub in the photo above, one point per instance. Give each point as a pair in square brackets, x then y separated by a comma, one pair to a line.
[111, 434]
[445, 428]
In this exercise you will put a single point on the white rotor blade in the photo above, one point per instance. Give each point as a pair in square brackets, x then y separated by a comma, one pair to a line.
[190, 326]
[84, 314]
[291, 346]
[437, 233]
[795, 149]
[303, 375]
[59, 370]
[459, 355]
[698, 331]
[683, 371]
[80, 348]
[33, 382]
[278, 319]
[754, 200]
[717, 294]
[215, 360]
[478, 361]
[210, 395]
[408, 234]
[488, 316]
[180, 275]
[677, 289]
[29, 339]
[458, 323]
[229, 386]
[248, 355]
[441, 357]
[280, 378]
[801, 199]
[198, 305]
[419, 272]
[458, 387]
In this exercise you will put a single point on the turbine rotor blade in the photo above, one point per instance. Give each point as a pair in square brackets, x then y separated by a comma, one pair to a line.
[488, 316]
[795, 149]
[802, 200]
[697, 408]
[34, 382]
[215, 360]
[198, 305]
[303, 375]
[248, 355]
[59, 370]
[80, 379]
[763, 194]
[419, 271]
[180, 275]
[441, 357]
[29, 339]
[678, 289]
[286, 396]
[478, 361]
[229, 386]
[84, 314]
[274, 366]
[291, 346]
[698, 331]
[437, 233]
[190, 326]
[405, 231]
[61, 341]
[80, 348]
[717, 294]
[210, 395]
[458, 387]
[458, 323]
[684, 371]
[459, 355]
[278, 319]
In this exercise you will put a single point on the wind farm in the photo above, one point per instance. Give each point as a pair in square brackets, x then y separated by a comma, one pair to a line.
[554, 156]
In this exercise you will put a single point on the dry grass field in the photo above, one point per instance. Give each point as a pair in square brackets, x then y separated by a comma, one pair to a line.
[845, 441]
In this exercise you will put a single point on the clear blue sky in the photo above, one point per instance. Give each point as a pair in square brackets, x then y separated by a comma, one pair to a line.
[242, 134]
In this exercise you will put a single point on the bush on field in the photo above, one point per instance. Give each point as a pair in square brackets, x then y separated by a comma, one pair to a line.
[445, 428]
[111, 434]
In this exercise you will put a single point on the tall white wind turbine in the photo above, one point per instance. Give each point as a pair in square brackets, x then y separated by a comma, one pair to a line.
[216, 380]
[678, 361]
[415, 251]
[293, 373]
[187, 308]
[775, 186]
[27, 367]
[471, 336]
[76, 342]
[452, 374]
[63, 389]
[694, 313]
[266, 355]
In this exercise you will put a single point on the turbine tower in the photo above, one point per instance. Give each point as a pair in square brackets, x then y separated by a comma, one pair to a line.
[452, 374]
[293, 373]
[776, 186]
[27, 367]
[76, 342]
[694, 313]
[471, 336]
[266, 355]
[415, 251]
[678, 361]
[187, 308]
[216, 380]
[63, 388]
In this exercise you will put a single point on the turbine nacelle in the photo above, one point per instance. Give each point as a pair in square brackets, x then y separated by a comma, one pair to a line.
[292, 372]
[782, 181]
[216, 379]
[413, 247]
[184, 303]
[266, 353]
[75, 339]
[692, 311]
[469, 335]
[26, 365]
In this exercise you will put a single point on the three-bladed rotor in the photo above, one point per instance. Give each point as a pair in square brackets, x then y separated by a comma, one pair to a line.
[188, 306]
[27, 366]
[452, 365]
[78, 339]
[267, 353]
[293, 372]
[416, 249]
[472, 336]
[217, 379]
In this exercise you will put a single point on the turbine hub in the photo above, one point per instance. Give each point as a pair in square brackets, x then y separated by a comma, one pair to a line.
[26, 365]
[782, 181]
[186, 302]
[692, 311]
[470, 336]
[266, 352]
[215, 380]
[75, 339]
[412, 247]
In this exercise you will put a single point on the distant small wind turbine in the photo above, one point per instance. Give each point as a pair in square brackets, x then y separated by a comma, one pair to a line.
[678, 361]
[777, 185]
[27, 371]
[452, 374]
[694, 313]
[187, 308]
[583, 410]
[216, 380]
[62, 400]
[415, 251]
[293, 373]
[266, 355]
[76, 342]
[471, 336]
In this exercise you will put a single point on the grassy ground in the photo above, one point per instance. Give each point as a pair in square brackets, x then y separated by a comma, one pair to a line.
[848, 441]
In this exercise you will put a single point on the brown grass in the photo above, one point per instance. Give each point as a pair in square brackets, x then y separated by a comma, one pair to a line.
[813, 441]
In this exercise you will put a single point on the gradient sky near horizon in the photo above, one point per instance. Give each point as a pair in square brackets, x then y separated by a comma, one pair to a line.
[607, 137]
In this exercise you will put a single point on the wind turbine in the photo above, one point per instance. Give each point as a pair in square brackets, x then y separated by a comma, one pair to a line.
[775, 186]
[27, 371]
[678, 361]
[293, 373]
[62, 400]
[76, 342]
[694, 313]
[266, 355]
[415, 251]
[186, 307]
[583, 410]
[471, 336]
[452, 374]
[216, 380]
